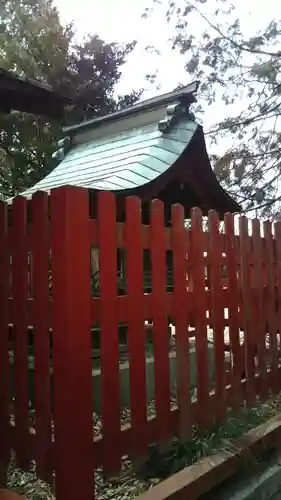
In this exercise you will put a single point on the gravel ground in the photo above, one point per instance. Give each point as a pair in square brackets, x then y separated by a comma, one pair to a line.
[127, 486]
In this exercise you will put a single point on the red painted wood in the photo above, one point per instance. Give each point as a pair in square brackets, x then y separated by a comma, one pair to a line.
[110, 383]
[160, 321]
[122, 307]
[120, 229]
[72, 363]
[136, 334]
[4, 345]
[20, 296]
[215, 252]
[249, 339]
[271, 318]
[181, 318]
[200, 308]
[259, 306]
[40, 260]
[277, 235]
[10, 495]
[234, 337]
[126, 443]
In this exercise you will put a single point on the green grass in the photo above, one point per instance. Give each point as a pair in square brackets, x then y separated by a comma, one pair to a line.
[212, 440]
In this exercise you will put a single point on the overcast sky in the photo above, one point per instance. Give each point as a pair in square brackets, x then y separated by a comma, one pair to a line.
[121, 21]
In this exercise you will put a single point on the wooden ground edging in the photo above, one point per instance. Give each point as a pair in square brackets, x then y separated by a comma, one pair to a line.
[207, 473]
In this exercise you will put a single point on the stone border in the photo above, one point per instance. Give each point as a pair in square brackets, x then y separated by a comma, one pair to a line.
[209, 472]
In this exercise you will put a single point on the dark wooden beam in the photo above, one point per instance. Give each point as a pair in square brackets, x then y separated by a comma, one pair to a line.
[30, 96]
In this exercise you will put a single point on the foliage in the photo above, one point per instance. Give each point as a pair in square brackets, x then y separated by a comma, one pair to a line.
[218, 437]
[35, 44]
[95, 284]
[242, 72]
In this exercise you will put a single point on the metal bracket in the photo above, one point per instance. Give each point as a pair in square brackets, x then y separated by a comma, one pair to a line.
[173, 113]
[64, 146]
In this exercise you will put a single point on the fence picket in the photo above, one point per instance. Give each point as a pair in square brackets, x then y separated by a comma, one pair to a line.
[233, 315]
[181, 318]
[160, 322]
[72, 360]
[277, 234]
[202, 361]
[42, 391]
[109, 340]
[249, 291]
[136, 335]
[4, 346]
[20, 297]
[215, 252]
[270, 307]
[249, 342]
[259, 307]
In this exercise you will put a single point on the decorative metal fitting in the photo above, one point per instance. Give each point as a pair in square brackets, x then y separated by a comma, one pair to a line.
[173, 113]
[59, 154]
[64, 146]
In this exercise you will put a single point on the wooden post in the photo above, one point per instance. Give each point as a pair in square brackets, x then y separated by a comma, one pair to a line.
[4, 346]
[181, 309]
[110, 383]
[136, 336]
[40, 247]
[20, 322]
[160, 335]
[72, 360]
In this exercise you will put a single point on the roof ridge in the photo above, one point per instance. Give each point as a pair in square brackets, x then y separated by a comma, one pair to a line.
[185, 96]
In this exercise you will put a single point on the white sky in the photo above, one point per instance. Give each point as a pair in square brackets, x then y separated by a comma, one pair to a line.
[120, 20]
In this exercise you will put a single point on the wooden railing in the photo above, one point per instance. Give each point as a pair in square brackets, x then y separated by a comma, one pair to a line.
[211, 272]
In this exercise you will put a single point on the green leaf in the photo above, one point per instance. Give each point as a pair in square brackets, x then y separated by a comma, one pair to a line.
[36, 45]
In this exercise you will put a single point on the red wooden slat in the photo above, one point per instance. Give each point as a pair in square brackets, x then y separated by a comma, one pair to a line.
[72, 362]
[122, 307]
[270, 301]
[237, 361]
[121, 235]
[277, 234]
[4, 346]
[249, 340]
[136, 337]
[181, 318]
[126, 435]
[202, 360]
[259, 310]
[160, 321]
[40, 260]
[110, 383]
[217, 312]
[20, 297]
[121, 238]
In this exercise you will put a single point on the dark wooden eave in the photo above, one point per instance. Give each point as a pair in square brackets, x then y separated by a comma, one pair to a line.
[30, 96]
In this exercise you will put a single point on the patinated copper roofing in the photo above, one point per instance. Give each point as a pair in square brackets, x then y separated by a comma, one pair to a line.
[151, 149]
[30, 96]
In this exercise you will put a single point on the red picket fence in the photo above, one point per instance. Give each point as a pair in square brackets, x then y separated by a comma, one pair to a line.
[211, 272]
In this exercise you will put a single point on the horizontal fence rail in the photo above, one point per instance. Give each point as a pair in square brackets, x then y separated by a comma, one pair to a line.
[67, 280]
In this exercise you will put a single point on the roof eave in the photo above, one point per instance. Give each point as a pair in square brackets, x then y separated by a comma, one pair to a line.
[205, 178]
[186, 96]
[20, 94]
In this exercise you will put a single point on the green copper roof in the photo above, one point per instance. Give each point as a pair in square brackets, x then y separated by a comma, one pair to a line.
[153, 148]
[122, 161]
